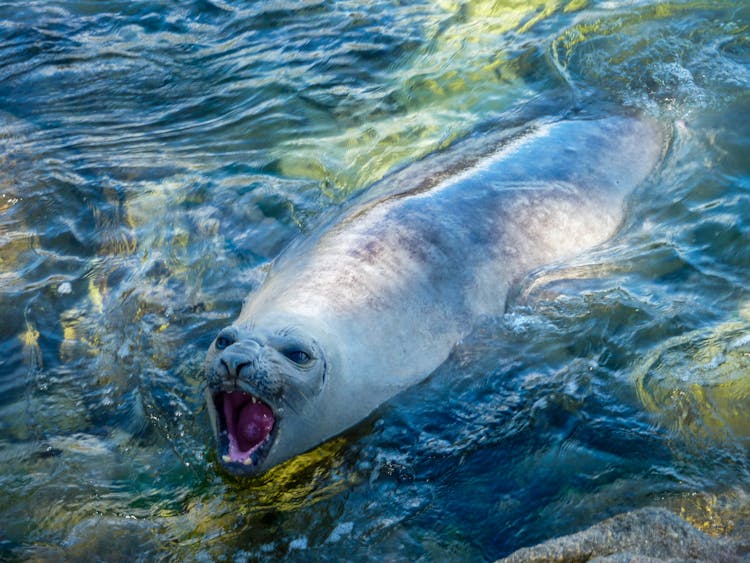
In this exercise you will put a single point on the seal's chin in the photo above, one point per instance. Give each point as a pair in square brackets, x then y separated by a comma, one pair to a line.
[245, 428]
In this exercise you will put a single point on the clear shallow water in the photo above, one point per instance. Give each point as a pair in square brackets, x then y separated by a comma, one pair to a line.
[154, 156]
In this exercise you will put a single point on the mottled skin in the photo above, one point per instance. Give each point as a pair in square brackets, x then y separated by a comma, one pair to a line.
[378, 298]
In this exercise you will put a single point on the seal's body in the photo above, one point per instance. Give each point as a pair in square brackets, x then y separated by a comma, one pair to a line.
[373, 302]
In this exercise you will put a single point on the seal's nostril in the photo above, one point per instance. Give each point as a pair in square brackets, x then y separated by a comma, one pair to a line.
[226, 338]
[234, 363]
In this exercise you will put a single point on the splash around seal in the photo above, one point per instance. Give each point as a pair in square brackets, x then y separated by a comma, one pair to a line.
[373, 301]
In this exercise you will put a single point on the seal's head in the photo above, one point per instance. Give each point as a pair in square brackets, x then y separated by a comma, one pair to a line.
[262, 384]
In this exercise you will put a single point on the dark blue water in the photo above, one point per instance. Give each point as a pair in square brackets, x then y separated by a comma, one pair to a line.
[155, 156]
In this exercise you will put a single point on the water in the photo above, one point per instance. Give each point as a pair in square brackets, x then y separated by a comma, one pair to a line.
[154, 156]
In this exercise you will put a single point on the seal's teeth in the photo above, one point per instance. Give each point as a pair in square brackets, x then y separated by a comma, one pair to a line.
[253, 400]
[226, 459]
[248, 461]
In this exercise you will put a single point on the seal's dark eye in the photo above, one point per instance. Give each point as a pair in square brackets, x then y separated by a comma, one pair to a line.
[298, 356]
[226, 337]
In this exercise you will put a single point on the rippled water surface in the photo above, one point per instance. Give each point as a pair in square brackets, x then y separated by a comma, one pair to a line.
[154, 156]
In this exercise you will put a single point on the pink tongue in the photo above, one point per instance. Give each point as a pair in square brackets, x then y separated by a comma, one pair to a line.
[254, 424]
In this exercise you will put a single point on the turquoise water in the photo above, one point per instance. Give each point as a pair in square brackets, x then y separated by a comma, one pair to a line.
[154, 156]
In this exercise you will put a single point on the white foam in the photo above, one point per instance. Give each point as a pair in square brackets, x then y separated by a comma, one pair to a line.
[341, 530]
[299, 543]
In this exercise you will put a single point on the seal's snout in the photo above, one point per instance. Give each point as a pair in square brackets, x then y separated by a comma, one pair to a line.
[233, 363]
[244, 420]
[237, 357]
[234, 353]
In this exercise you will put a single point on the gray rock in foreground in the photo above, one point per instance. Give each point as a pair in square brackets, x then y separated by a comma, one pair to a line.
[648, 534]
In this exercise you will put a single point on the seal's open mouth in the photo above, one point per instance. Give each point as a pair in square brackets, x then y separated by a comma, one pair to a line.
[245, 424]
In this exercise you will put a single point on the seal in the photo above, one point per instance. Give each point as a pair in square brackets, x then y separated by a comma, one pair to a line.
[374, 300]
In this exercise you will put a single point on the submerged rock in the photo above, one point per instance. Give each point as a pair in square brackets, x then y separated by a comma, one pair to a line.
[648, 534]
[103, 538]
[698, 383]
